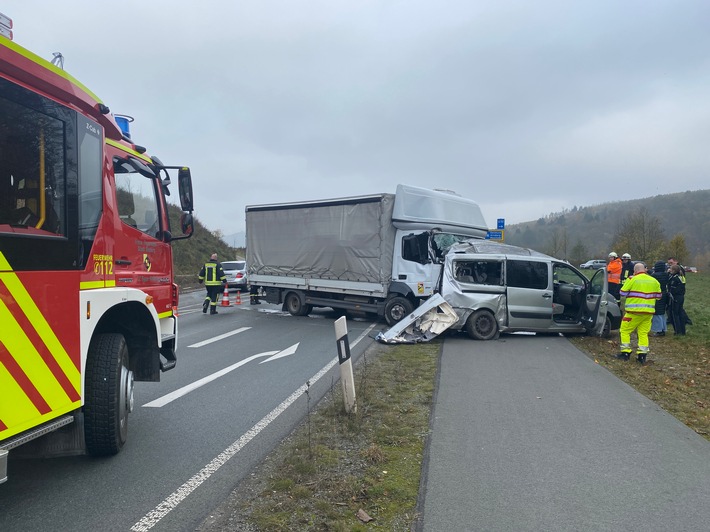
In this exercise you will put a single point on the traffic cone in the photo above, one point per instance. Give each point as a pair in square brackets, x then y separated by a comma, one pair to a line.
[239, 298]
[225, 297]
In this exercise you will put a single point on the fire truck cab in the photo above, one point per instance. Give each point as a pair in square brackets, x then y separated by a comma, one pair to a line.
[88, 303]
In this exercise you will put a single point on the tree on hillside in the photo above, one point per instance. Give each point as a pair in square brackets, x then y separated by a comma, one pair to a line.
[641, 235]
[678, 249]
[557, 245]
[579, 253]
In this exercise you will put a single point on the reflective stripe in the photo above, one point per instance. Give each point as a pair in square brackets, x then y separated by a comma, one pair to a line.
[121, 147]
[637, 306]
[91, 285]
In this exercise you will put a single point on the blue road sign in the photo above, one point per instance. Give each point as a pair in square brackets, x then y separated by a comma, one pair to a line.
[501, 223]
[494, 235]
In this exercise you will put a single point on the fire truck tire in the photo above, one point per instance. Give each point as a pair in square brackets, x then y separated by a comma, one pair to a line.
[396, 309]
[109, 395]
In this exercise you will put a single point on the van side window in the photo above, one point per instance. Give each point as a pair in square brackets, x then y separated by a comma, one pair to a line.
[486, 272]
[527, 274]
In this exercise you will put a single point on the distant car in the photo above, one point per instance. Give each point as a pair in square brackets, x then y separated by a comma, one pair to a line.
[594, 264]
[236, 272]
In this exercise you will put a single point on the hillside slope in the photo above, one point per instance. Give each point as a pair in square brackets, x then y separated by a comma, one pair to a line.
[593, 228]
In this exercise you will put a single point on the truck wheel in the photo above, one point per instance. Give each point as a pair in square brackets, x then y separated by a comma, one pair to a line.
[482, 325]
[109, 395]
[396, 309]
[295, 307]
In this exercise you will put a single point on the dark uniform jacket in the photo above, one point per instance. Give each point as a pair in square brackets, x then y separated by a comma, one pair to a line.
[660, 274]
[212, 273]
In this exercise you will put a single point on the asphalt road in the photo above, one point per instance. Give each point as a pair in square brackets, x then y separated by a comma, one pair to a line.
[530, 434]
[236, 392]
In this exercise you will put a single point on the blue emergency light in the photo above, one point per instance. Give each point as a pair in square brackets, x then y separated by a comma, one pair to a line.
[123, 121]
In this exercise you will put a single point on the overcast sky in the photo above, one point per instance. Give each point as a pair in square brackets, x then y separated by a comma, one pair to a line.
[527, 107]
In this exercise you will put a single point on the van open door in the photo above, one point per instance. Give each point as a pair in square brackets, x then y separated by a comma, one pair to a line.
[596, 304]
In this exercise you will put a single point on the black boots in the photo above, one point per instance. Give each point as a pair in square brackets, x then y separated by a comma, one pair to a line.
[213, 310]
[205, 305]
[641, 357]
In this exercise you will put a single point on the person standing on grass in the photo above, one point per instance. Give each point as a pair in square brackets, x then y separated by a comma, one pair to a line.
[613, 270]
[671, 262]
[658, 323]
[627, 268]
[676, 293]
[638, 301]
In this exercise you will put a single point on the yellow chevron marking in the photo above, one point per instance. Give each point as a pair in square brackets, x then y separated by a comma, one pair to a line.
[15, 407]
[35, 317]
[29, 359]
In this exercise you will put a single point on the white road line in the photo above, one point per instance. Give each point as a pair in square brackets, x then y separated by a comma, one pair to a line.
[170, 503]
[220, 337]
[169, 398]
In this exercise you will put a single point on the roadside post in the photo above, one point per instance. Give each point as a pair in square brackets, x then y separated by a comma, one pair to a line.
[346, 365]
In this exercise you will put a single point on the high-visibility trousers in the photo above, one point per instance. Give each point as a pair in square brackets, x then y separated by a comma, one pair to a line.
[639, 322]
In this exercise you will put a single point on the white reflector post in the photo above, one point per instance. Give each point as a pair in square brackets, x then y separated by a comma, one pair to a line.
[346, 365]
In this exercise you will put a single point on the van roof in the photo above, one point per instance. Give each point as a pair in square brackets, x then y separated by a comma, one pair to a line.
[491, 247]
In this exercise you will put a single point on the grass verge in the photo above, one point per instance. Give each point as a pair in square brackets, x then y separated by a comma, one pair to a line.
[677, 373]
[343, 471]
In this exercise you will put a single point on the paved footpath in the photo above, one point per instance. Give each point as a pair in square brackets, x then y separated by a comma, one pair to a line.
[530, 434]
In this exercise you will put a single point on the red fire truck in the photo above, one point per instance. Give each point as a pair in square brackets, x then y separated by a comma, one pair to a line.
[87, 298]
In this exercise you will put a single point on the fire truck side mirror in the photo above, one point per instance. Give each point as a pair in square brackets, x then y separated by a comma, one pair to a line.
[187, 224]
[185, 190]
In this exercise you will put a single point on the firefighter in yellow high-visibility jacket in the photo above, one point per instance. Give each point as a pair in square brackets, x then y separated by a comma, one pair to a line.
[638, 299]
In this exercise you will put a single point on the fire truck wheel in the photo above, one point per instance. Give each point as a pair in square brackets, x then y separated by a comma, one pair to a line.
[396, 309]
[109, 395]
[482, 325]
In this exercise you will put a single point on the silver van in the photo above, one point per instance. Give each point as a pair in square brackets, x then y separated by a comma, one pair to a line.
[495, 287]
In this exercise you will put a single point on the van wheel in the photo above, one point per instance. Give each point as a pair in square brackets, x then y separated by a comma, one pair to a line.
[482, 325]
[606, 331]
[396, 309]
[109, 395]
[295, 306]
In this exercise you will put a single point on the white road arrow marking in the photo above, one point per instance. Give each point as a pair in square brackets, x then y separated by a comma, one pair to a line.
[286, 352]
[172, 396]
[175, 498]
[220, 337]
